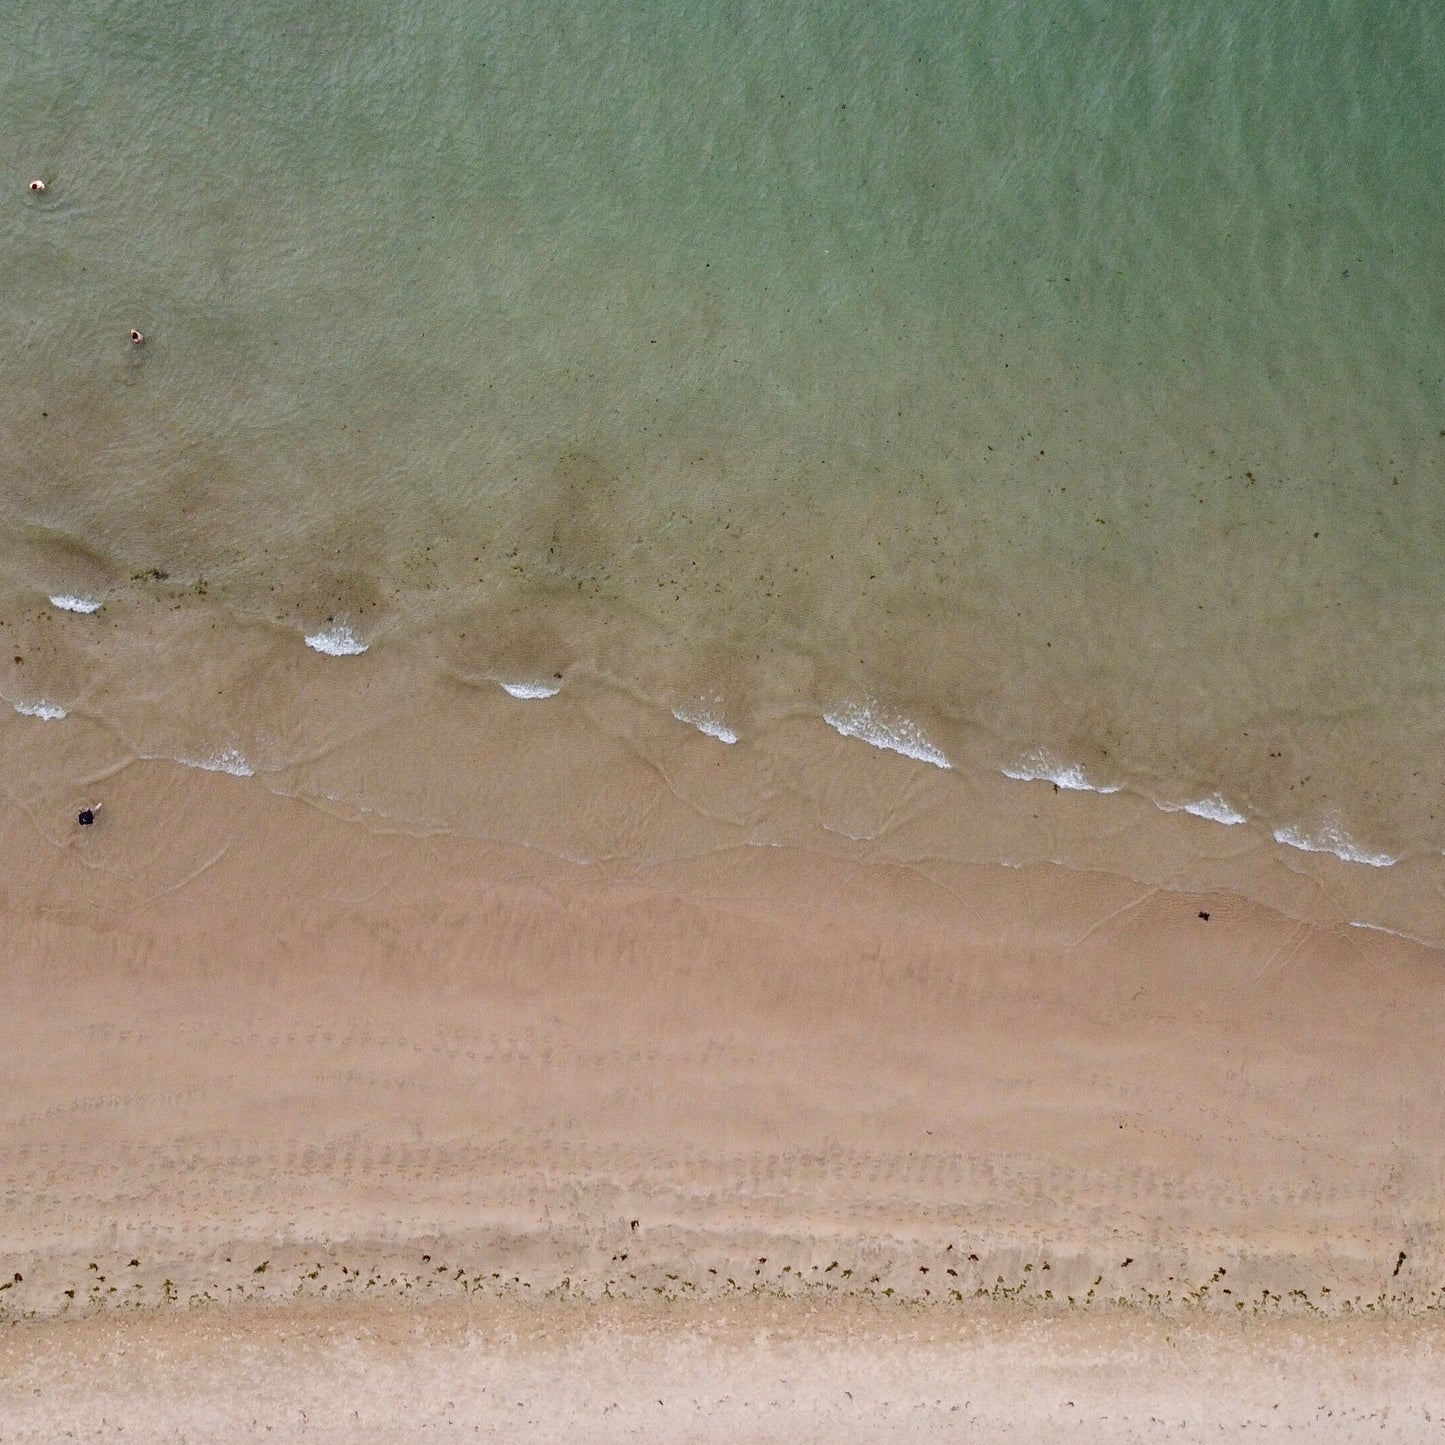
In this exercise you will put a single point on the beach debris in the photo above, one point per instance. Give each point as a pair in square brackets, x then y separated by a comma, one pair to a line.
[38, 186]
[137, 338]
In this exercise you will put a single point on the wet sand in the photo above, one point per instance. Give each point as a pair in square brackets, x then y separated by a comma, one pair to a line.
[367, 1099]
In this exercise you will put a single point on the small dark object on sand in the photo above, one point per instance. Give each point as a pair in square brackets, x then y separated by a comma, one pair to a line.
[86, 816]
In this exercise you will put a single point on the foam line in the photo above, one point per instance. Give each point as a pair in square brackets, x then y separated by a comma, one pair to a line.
[706, 722]
[1042, 767]
[895, 734]
[1216, 810]
[1331, 838]
[47, 711]
[70, 602]
[336, 642]
[229, 761]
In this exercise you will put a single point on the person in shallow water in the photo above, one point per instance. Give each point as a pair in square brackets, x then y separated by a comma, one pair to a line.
[86, 816]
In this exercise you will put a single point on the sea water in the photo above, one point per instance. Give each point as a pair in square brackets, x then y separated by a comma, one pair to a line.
[1041, 389]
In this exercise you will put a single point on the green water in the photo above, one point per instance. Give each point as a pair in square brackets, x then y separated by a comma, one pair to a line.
[1060, 377]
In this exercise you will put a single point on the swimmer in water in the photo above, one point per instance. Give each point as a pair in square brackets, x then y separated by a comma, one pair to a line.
[86, 816]
[37, 186]
[136, 338]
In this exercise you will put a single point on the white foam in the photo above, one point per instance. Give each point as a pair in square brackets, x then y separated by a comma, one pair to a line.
[1332, 838]
[1216, 810]
[528, 690]
[896, 734]
[1380, 928]
[706, 721]
[229, 761]
[1393, 932]
[336, 642]
[1042, 767]
[69, 602]
[48, 711]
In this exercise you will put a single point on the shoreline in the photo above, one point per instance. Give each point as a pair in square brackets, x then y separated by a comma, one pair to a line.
[151, 678]
[599, 778]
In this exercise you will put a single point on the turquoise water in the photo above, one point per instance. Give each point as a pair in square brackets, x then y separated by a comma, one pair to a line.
[1064, 380]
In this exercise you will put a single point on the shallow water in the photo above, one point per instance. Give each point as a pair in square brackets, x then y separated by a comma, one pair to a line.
[1050, 389]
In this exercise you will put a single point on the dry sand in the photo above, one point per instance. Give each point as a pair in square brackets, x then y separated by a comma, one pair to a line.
[408, 1132]
[744, 1371]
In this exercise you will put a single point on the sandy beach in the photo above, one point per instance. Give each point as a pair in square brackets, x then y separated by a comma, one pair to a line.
[721, 722]
[751, 1370]
[333, 1090]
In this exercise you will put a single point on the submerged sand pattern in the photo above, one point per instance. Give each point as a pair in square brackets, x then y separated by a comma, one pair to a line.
[961, 363]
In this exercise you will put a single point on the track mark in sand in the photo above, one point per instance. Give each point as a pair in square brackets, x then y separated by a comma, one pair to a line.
[193, 874]
[1124, 911]
[916, 867]
[1286, 950]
